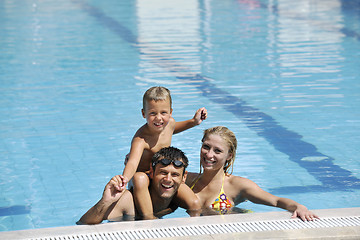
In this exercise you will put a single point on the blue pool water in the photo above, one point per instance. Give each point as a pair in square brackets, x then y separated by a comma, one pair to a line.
[283, 75]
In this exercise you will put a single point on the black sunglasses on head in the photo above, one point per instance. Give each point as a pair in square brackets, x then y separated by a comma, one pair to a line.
[166, 162]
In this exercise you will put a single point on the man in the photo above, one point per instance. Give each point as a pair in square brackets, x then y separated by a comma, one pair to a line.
[166, 174]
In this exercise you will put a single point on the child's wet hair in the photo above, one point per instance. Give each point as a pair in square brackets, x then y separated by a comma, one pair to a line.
[156, 94]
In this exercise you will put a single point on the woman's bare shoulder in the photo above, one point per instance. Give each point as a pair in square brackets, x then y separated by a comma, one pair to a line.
[191, 177]
[239, 182]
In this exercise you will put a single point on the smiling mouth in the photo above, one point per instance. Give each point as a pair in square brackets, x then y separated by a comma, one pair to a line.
[209, 161]
[167, 186]
[158, 124]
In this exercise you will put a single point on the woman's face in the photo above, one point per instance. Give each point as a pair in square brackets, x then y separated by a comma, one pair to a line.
[214, 152]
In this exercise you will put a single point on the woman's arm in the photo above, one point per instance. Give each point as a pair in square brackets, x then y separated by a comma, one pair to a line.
[297, 209]
[255, 194]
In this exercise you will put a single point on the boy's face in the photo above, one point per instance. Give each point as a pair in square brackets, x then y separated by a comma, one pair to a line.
[157, 114]
[166, 180]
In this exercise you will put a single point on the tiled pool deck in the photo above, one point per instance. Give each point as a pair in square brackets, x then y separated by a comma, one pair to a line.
[334, 224]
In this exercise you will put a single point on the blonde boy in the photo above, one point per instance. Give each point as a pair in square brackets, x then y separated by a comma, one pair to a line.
[155, 134]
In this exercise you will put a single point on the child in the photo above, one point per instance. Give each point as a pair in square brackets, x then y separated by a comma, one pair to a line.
[155, 134]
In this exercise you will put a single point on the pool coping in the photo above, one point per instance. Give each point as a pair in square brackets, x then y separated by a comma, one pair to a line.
[352, 232]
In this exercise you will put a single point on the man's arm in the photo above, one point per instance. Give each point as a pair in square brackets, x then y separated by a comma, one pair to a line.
[102, 208]
[95, 214]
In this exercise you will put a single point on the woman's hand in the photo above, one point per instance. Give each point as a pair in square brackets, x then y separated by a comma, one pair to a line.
[304, 214]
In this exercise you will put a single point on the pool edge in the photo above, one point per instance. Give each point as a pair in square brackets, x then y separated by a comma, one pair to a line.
[348, 232]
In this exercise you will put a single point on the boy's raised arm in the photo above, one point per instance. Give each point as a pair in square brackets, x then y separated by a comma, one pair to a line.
[132, 164]
[200, 115]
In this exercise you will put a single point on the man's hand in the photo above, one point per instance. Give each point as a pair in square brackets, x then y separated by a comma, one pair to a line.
[114, 189]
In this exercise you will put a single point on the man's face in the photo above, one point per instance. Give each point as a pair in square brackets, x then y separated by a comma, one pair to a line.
[167, 179]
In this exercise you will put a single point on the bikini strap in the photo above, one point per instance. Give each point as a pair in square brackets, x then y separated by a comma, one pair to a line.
[196, 180]
[222, 185]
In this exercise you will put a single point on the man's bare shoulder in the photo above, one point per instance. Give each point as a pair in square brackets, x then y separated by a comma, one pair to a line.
[123, 206]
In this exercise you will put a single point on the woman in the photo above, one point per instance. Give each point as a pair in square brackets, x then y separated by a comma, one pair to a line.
[219, 190]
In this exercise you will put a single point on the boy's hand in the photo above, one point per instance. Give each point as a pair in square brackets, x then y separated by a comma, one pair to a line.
[115, 188]
[200, 115]
[125, 181]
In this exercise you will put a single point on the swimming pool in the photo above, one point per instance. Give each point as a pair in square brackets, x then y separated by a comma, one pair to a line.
[281, 74]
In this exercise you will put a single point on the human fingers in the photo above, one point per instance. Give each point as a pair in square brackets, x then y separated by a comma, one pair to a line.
[311, 216]
[124, 180]
[297, 214]
[116, 182]
[294, 215]
[303, 217]
[306, 216]
[203, 113]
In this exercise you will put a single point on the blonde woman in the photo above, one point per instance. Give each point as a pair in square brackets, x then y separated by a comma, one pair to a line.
[219, 190]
